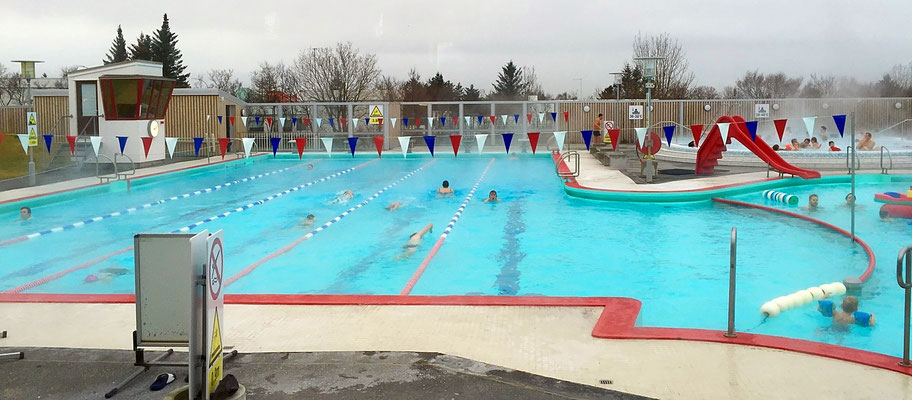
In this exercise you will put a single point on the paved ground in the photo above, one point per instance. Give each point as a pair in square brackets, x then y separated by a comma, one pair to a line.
[88, 374]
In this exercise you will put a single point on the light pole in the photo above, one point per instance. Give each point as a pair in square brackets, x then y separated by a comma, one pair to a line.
[649, 72]
[617, 84]
[580, 96]
[27, 68]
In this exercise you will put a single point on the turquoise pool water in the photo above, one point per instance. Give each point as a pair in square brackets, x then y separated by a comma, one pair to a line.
[537, 241]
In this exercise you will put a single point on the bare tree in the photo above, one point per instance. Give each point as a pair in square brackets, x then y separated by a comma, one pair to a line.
[12, 91]
[340, 74]
[673, 78]
[64, 75]
[221, 79]
[531, 86]
[820, 86]
[703, 92]
[755, 85]
[389, 88]
[273, 83]
[902, 74]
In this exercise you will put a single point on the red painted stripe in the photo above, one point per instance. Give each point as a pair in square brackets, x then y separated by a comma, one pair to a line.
[14, 240]
[871, 260]
[57, 275]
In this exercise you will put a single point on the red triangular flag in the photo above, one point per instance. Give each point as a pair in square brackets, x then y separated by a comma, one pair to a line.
[343, 121]
[780, 127]
[417, 122]
[454, 140]
[231, 118]
[615, 136]
[378, 143]
[147, 143]
[300, 142]
[71, 140]
[566, 116]
[455, 121]
[529, 117]
[306, 121]
[223, 145]
[533, 140]
[380, 120]
[268, 120]
[492, 119]
[697, 131]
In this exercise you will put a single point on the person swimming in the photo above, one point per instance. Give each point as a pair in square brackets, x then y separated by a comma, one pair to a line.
[813, 202]
[849, 314]
[445, 189]
[25, 213]
[308, 221]
[394, 206]
[492, 197]
[344, 197]
[411, 246]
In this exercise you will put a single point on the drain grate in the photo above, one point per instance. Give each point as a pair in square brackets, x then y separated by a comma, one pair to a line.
[606, 381]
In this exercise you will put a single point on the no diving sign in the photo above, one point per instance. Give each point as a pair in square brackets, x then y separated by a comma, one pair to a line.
[216, 267]
[215, 272]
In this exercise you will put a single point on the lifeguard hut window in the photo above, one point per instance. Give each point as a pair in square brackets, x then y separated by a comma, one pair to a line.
[135, 97]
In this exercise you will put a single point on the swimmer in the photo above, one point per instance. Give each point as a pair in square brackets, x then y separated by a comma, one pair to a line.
[813, 202]
[492, 197]
[394, 206]
[414, 241]
[445, 189]
[310, 166]
[849, 314]
[885, 215]
[344, 197]
[850, 199]
[308, 221]
[25, 213]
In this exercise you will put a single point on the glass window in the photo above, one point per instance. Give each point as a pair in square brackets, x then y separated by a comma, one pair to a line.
[146, 97]
[88, 96]
[165, 96]
[126, 97]
[154, 100]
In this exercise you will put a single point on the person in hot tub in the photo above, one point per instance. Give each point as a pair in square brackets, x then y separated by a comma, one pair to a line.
[867, 142]
[849, 314]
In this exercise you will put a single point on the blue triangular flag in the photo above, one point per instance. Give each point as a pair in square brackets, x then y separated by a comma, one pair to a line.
[352, 142]
[367, 121]
[587, 137]
[294, 121]
[515, 118]
[197, 143]
[554, 116]
[220, 119]
[331, 122]
[752, 129]
[405, 122]
[669, 133]
[443, 121]
[480, 118]
[840, 123]
[275, 145]
[508, 138]
[47, 141]
[429, 141]
[123, 143]
[256, 120]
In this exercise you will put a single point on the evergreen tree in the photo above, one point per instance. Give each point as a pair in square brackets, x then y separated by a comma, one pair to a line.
[142, 49]
[471, 94]
[164, 50]
[118, 51]
[510, 84]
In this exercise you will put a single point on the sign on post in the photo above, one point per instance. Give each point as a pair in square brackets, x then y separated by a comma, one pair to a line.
[376, 113]
[635, 112]
[761, 110]
[215, 300]
[32, 118]
[33, 135]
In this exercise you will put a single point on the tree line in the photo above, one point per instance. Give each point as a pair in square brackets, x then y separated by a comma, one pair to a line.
[161, 46]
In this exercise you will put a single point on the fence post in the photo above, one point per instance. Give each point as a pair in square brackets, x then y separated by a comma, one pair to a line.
[731, 285]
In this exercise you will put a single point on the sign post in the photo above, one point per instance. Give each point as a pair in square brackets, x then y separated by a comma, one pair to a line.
[215, 300]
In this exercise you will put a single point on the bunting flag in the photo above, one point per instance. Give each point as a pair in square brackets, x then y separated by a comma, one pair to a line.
[223, 145]
[319, 123]
[430, 122]
[23, 140]
[244, 121]
[274, 141]
[780, 127]
[256, 120]
[71, 140]
[332, 122]
[615, 136]
[207, 117]
[529, 117]
[219, 119]
[429, 141]
[328, 145]
[47, 141]
[541, 117]
[840, 121]
[380, 121]
[508, 138]
[454, 141]
[404, 144]
[455, 121]
[442, 121]
[300, 142]
[640, 136]
[96, 144]
[147, 143]
[352, 142]
[405, 122]
[696, 131]
[566, 116]
[367, 121]
[248, 144]
[294, 122]
[669, 133]
[809, 124]
[554, 116]
[492, 120]
[559, 139]
[723, 130]
[197, 143]
[123, 143]
[533, 140]
[268, 121]
[282, 123]
[378, 143]
[480, 140]
[231, 119]
[170, 143]
[515, 118]
[468, 120]
[480, 119]
[417, 122]
[342, 120]
[503, 119]
[306, 122]
[587, 137]
[752, 129]
[355, 122]
[392, 120]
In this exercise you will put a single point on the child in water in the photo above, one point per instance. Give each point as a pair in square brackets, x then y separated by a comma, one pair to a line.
[849, 314]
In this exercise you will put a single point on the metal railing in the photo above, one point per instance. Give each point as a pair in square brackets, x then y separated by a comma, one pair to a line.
[884, 169]
[730, 333]
[126, 173]
[106, 177]
[904, 259]
[565, 159]
[849, 151]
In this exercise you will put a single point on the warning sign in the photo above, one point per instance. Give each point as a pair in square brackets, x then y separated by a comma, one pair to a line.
[33, 135]
[376, 114]
[215, 269]
[216, 359]
[635, 112]
[761, 110]
[32, 118]
[216, 266]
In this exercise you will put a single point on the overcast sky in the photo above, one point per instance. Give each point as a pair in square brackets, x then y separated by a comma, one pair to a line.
[468, 41]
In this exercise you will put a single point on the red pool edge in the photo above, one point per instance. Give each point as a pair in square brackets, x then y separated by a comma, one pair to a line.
[617, 320]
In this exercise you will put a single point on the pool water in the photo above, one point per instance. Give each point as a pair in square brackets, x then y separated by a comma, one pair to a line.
[536, 241]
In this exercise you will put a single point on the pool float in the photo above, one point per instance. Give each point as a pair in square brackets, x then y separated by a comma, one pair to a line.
[895, 205]
[786, 198]
[774, 307]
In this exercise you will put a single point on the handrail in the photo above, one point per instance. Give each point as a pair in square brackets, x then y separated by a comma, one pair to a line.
[132, 166]
[849, 150]
[892, 126]
[105, 178]
[905, 257]
[731, 285]
[889, 156]
[565, 158]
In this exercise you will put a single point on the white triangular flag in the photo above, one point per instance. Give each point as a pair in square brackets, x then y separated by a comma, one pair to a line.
[559, 138]
[248, 144]
[430, 122]
[641, 135]
[355, 121]
[244, 120]
[468, 121]
[23, 138]
[541, 117]
[480, 140]
[170, 143]
[503, 119]
[404, 144]
[328, 145]
[723, 129]
[809, 124]
[207, 117]
[393, 121]
[319, 122]
[96, 143]
[282, 123]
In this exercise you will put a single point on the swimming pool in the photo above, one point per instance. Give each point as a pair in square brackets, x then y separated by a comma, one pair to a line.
[537, 241]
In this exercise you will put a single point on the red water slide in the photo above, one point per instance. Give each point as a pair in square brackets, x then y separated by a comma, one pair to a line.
[711, 149]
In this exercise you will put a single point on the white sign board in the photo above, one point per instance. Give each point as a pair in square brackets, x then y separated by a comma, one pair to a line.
[635, 112]
[215, 300]
[761, 110]
[376, 114]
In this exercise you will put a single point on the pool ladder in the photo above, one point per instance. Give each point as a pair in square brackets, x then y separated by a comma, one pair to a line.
[566, 158]
[904, 265]
[885, 169]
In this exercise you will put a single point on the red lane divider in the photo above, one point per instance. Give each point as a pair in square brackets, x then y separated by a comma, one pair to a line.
[427, 260]
[871, 260]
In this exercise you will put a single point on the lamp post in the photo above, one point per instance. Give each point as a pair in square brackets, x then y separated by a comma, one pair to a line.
[649, 72]
[580, 96]
[617, 84]
[27, 71]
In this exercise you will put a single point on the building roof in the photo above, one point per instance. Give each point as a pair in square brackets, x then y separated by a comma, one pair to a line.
[113, 66]
[208, 92]
[136, 76]
[49, 92]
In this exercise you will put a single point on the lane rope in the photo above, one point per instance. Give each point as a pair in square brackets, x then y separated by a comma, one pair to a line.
[427, 260]
[321, 228]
